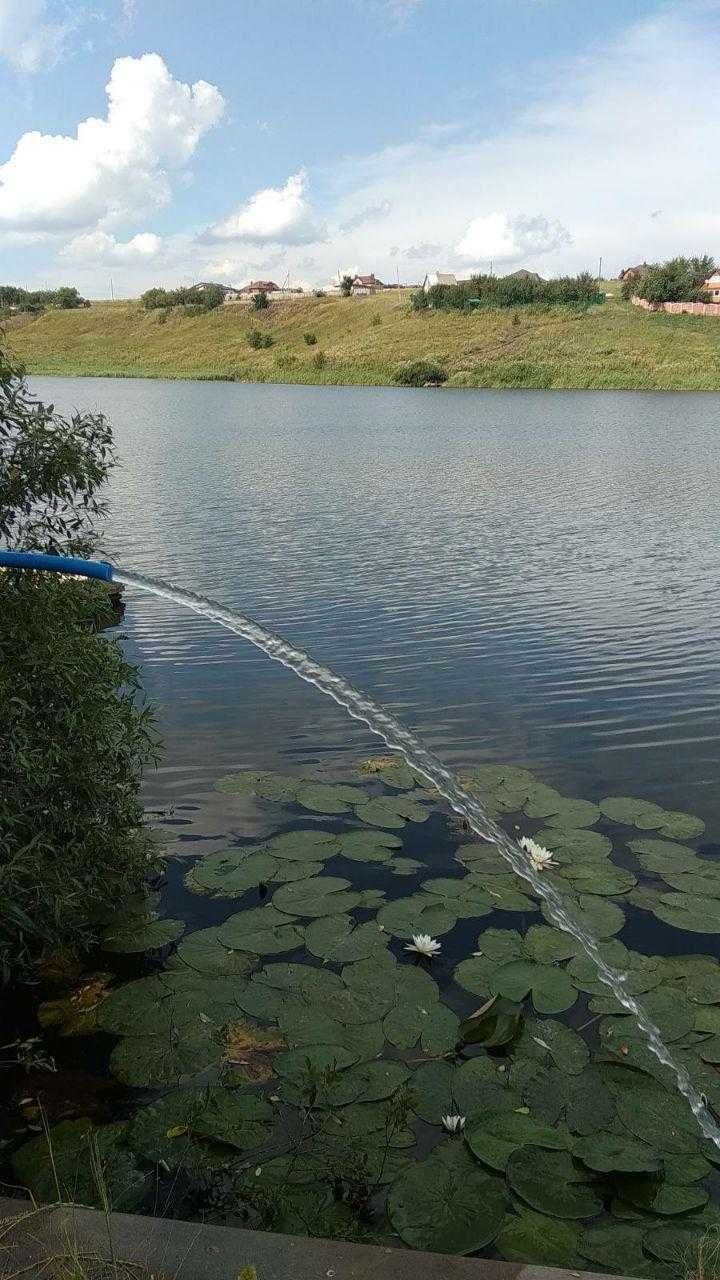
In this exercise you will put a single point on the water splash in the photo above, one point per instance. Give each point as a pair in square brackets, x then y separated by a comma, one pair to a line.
[382, 723]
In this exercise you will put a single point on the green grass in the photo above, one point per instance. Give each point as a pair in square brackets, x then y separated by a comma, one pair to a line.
[362, 341]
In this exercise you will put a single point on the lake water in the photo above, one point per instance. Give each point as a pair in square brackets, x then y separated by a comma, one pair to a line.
[519, 575]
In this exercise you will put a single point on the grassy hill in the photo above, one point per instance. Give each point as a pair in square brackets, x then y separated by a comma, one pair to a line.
[363, 340]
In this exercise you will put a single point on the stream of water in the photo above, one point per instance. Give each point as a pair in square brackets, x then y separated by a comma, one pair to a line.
[382, 723]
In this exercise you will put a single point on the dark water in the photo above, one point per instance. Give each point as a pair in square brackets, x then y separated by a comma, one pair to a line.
[526, 576]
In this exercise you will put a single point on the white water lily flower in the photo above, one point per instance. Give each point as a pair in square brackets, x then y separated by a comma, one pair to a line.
[540, 858]
[423, 945]
[453, 1124]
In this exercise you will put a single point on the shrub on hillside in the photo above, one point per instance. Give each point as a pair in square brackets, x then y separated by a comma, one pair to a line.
[310, 339]
[319, 360]
[418, 372]
[257, 339]
[75, 736]
[419, 300]
[260, 301]
[519, 289]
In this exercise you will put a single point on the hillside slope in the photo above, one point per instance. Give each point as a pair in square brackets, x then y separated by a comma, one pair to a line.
[364, 341]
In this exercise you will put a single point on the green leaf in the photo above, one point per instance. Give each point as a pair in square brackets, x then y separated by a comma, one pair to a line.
[534, 1238]
[648, 1110]
[589, 1106]
[633, 812]
[261, 930]
[269, 786]
[550, 1183]
[552, 990]
[573, 814]
[432, 1091]
[679, 1244]
[563, 1045]
[494, 1025]
[616, 1247]
[597, 916]
[319, 896]
[689, 912]
[378, 813]
[616, 1153]
[157, 1062]
[368, 846]
[62, 1166]
[577, 845]
[663, 1198]
[142, 935]
[478, 1087]
[322, 797]
[201, 952]
[495, 1136]
[418, 913]
[546, 945]
[339, 939]
[310, 845]
[231, 872]
[605, 880]
[445, 1203]
[681, 826]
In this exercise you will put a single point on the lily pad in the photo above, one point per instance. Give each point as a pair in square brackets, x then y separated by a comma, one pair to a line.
[552, 990]
[76, 1014]
[616, 1153]
[303, 845]
[322, 797]
[231, 872]
[269, 786]
[418, 913]
[550, 1183]
[494, 1137]
[689, 912]
[319, 896]
[460, 897]
[339, 939]
[202, 952]
[633, 812]
[576, 845]
[616, 1248]
[573, 814]
[681, 826]
[378, 813]
[158, 1062]
[494, 1025]
[606, 880]
[664, 1198]
[261, 931]
[532, 1237]
[141, 935]
[564, 1046]
[81, 1164]
[445, 1203]
[661, 1119]
[368, 846]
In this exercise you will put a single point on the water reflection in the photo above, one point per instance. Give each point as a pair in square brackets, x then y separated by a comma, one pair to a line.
[519, 575]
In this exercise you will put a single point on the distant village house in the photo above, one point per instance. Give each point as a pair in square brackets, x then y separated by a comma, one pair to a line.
[364, 285]
[633, 273]
[439, 277]
[711, 287]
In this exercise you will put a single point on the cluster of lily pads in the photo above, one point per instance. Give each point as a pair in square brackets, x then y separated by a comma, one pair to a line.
[299, 1047]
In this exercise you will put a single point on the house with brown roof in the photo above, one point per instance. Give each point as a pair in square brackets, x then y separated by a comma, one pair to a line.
[633, 273]
[711, 287]
[364, 285]
[260, 286]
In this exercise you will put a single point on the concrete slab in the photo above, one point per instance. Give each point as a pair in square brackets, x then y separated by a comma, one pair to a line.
[191, 1251]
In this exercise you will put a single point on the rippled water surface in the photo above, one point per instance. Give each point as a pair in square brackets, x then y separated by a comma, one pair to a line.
[526, 576]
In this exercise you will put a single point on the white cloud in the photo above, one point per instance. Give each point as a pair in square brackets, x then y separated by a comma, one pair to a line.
[501, 238]
[276, 215]
[26, 39]
[116, 168]
[99, 247]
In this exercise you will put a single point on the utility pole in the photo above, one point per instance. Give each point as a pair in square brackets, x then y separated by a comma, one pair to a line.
[112, 289]
[600, 268]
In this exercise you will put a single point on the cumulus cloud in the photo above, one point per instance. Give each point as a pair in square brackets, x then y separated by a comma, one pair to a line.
[100, 247]
[369, 214]
[27, 40]
[498, 237]
[116, 168]
[275, 215]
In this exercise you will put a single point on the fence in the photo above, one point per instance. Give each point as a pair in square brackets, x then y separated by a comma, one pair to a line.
[680, 308]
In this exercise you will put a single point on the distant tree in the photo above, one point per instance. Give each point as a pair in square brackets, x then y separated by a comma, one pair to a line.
[68, 298]
[678, 280]
[346, 285]
[260, 300]
[211, 297]
[419, 300]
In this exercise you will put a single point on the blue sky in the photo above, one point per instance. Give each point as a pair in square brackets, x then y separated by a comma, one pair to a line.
[298, 137]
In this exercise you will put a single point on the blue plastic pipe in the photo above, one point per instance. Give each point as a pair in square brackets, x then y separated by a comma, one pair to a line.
[56, 564]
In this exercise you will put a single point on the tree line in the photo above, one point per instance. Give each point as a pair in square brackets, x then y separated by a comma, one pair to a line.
[677, 280]
[514, 290]
[13, 297]
[209, 298]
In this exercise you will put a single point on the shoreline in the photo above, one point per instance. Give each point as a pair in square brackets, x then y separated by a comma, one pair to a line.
[367, 342]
